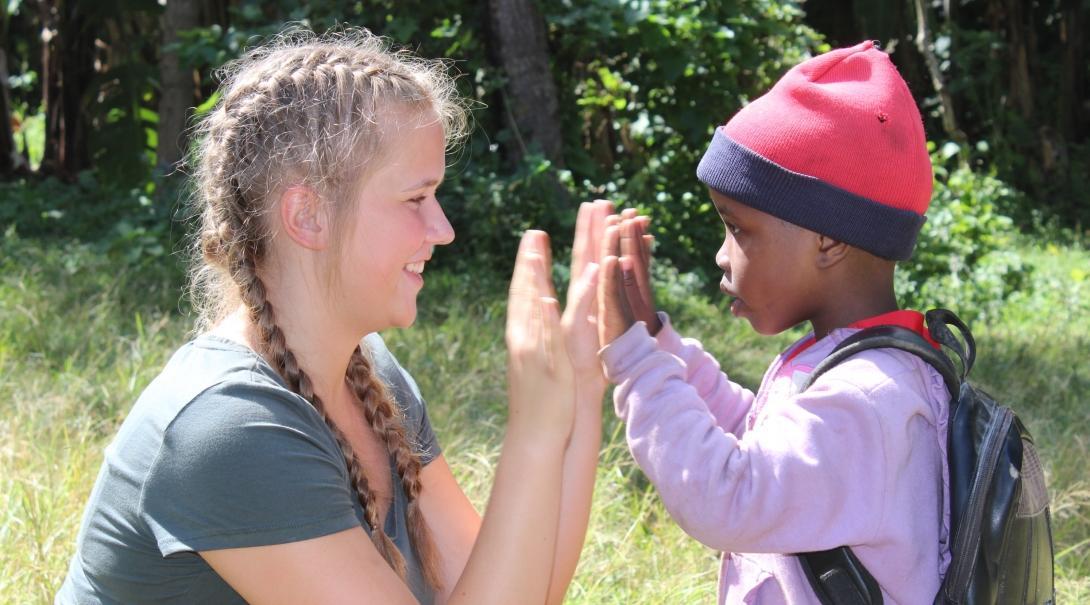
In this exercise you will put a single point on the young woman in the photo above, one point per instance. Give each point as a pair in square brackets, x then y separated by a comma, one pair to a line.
[281, 457]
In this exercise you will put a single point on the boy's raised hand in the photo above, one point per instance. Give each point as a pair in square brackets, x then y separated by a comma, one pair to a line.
[636, 270]
[540, 377]
[624, 292]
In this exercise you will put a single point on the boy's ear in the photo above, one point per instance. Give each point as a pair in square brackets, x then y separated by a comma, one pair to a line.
[302, 217]
[830, 251]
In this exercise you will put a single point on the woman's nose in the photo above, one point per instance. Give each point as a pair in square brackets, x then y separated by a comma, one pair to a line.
[440, 232]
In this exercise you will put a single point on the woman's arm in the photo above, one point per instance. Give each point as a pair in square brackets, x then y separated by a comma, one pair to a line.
[511, 559]
[581, 457]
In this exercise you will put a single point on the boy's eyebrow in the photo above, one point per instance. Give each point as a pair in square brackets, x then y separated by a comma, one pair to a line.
[422, 184]
[721, 209]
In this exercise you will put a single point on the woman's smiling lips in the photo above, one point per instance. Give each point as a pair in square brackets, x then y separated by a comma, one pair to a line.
[416, 270]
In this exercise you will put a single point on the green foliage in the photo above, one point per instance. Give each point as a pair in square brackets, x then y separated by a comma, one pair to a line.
[1036, 140]
[77, 347]
[135, 226]
[965, 258]
[651, 81]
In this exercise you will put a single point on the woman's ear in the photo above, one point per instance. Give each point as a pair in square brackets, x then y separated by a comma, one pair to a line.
[830, 251]
[302, 217]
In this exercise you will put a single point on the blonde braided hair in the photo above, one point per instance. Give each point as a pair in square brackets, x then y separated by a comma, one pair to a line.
[308, 109]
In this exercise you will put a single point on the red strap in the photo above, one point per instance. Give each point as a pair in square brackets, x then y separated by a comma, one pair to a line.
[911, 320]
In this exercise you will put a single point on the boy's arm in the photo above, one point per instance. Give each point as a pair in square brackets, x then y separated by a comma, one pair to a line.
[811, 479]
[625, 296]
[728, 401]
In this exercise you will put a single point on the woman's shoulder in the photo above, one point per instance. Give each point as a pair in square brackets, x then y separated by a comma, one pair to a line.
[214, 390]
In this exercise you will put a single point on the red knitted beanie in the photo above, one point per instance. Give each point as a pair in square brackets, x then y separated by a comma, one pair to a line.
[836, 146]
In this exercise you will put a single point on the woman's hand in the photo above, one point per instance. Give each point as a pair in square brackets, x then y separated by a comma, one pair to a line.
[540, 377]
[579, 319]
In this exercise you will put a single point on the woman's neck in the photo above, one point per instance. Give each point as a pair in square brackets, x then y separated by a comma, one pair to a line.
[322, 351]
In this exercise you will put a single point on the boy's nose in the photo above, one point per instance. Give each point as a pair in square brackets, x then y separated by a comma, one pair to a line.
[722, 258]
[439, 230]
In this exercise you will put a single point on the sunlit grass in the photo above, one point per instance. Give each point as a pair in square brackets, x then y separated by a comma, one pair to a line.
[79, 339]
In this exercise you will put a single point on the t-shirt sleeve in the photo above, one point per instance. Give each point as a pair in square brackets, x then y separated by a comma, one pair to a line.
[246, 464]
[407, 395]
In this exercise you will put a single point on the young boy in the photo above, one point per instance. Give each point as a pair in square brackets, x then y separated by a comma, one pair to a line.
[822, 184]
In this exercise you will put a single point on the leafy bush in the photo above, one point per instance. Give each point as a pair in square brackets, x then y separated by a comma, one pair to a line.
[651, 81]
[135, 226]
[965, 258]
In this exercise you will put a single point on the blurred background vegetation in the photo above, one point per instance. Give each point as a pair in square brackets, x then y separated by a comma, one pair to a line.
[575, 99]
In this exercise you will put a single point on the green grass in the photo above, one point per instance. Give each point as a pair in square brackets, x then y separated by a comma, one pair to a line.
[80, 338]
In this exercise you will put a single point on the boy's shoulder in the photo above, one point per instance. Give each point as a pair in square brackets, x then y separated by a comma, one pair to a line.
[886, 372]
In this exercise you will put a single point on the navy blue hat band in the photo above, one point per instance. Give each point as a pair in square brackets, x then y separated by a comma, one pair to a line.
[748, 178]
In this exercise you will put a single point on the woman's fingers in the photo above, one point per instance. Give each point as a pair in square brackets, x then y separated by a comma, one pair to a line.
[589, 224]
[529, 281]
[580, 326]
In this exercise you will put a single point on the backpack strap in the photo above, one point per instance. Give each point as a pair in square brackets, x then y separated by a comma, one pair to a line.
[837, 576]
[896, 337]
[937, 321]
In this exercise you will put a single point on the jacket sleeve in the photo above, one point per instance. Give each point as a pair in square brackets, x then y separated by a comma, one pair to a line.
[728, 401]
[793, 483]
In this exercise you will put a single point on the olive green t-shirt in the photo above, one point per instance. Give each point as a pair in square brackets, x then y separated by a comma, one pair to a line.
[218, 453]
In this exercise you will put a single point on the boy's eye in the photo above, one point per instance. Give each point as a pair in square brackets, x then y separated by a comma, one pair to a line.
[732, 228]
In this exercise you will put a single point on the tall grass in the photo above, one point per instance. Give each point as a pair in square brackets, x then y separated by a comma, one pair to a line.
[79, 339]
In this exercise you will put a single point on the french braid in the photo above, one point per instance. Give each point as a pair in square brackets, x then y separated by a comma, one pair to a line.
[309, 109]
[385, 419]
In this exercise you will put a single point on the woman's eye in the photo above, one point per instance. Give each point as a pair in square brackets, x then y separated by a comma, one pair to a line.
[417, 200]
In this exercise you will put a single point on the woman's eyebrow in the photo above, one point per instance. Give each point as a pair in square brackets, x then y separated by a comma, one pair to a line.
[422, 184]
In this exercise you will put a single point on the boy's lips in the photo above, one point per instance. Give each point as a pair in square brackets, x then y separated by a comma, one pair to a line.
[736, 302]
[726, 289]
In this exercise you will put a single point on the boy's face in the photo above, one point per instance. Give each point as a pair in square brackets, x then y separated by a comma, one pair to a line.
[768, 267]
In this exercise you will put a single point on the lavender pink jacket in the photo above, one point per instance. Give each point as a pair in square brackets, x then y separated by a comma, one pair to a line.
[858, 459]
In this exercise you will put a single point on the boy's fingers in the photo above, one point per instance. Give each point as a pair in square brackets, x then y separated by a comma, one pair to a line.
[632, 247]
[632, 291]
[615, 314]
[611, 241]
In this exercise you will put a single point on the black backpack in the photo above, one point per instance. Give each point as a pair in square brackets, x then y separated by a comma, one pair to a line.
[1002, 533]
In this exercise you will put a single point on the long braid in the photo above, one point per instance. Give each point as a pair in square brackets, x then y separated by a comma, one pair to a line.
[283, 360]
[309, 110]
[386, 421]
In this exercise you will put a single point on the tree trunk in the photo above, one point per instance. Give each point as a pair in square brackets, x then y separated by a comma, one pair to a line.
[925, 45]
[1073, 108]
[67, 71]
[1021, 84]
[839, 20]
[176, 86]
[8, 156]
[530, 98]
